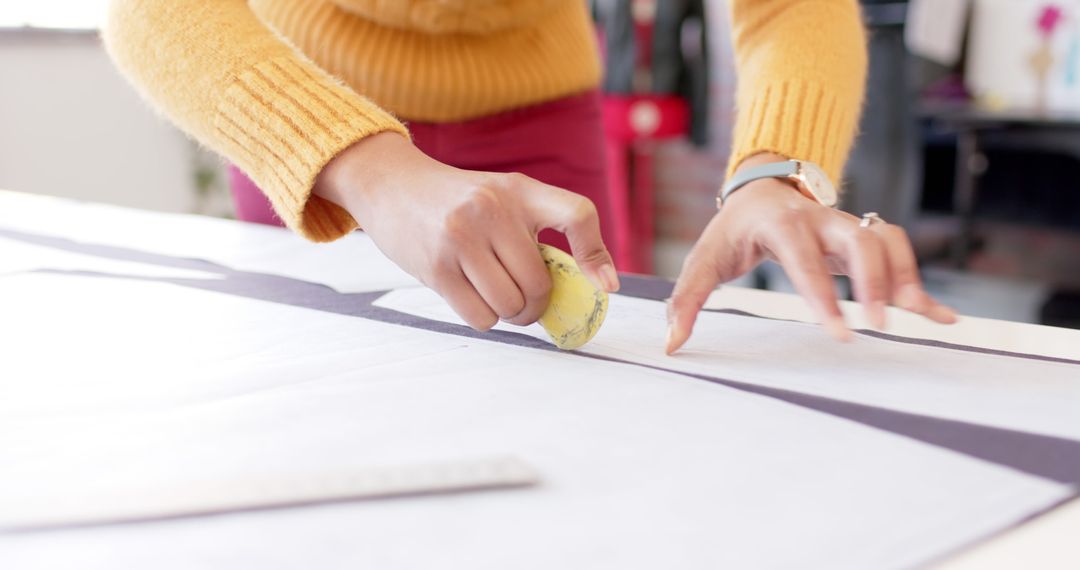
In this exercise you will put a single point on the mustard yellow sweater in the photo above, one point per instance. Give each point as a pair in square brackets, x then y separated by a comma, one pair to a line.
[280, 87]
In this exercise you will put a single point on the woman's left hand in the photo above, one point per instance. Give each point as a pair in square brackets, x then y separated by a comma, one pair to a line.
[770, 219]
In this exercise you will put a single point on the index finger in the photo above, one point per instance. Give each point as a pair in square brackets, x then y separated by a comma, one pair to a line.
[711, 261]
[575, 216]
[697, 280]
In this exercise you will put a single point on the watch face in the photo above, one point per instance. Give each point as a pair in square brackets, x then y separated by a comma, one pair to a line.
[818, 184]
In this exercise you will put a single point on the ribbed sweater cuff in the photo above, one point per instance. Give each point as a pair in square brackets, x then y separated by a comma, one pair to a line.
[797, 119]
[281, 121]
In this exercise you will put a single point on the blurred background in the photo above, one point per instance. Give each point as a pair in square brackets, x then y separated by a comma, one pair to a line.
[970, 136]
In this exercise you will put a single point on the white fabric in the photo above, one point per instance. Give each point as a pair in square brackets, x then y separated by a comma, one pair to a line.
[111, 383]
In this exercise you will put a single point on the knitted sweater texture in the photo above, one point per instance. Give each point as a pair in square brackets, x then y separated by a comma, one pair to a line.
[280, 87]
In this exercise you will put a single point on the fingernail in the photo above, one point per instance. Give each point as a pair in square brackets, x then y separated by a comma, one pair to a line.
[877, 314]
[837, 329]
[943, 314]
[669, 347]
[609, 278]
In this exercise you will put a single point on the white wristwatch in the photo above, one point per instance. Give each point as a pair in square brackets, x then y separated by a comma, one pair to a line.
[808, 177]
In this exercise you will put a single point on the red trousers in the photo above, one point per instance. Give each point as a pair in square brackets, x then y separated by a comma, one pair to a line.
[560, 143]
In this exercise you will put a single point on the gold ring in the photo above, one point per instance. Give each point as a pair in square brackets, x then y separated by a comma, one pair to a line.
[869, 219]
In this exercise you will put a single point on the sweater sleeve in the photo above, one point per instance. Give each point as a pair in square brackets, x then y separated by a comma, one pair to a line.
[231, 83]
[801, 72]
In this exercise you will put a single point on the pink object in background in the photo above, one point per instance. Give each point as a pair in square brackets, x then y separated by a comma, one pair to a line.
[1049, 18]
[1042, 60]
[632, 125]
[251, 204]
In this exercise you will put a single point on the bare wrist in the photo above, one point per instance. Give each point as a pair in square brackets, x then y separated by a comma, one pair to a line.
[355, 173]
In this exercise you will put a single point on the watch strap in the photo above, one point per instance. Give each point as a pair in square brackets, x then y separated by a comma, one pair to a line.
[771, 170]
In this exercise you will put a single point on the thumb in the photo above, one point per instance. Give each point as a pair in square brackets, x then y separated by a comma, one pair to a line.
[576, 217]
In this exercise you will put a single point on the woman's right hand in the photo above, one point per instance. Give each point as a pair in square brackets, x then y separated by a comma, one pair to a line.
[470, 236]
